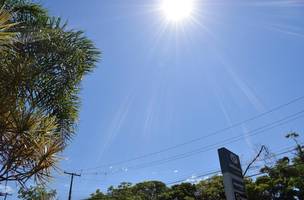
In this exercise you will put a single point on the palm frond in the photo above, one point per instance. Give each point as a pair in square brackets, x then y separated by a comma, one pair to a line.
[6, 36]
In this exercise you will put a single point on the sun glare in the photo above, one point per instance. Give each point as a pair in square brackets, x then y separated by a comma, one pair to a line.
[177, 10]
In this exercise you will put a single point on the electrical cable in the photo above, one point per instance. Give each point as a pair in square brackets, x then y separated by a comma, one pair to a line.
[227, 141]
[203, 137]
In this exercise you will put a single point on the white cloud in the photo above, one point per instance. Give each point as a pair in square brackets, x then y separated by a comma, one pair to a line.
[194, 179]
[125, 169]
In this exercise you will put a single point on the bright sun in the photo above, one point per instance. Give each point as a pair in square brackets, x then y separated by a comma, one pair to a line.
[177, 10]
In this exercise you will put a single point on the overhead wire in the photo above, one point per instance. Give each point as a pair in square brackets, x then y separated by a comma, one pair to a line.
[218, 171]
[261, 173]
[202, 137]
[206, 148]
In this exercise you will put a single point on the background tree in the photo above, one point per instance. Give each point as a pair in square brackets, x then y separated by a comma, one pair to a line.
[149, 190]
[212, 188]
[122, 192]
[181, 191]
[98, 195]
[39, 84]
[37, 193]
[283, 180]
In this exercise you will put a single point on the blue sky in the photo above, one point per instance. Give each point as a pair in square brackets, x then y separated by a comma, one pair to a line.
[160, 84]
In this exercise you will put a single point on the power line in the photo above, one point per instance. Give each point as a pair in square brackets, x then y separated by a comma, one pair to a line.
[227, 141]
[216, 172]
[224, 142]
[219, 172]
[261, 173]
[198, 176]
[203, 137]
[207, 148]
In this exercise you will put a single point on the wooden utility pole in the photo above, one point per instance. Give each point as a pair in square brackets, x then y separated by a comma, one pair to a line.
[71, 184]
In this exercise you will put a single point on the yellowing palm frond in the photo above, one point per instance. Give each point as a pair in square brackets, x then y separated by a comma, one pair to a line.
[6, 37]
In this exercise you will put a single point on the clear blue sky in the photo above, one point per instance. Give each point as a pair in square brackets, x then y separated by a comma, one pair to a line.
[159, 85]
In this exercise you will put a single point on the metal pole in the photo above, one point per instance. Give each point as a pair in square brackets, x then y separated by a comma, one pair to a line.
[71, 186]
[71, 183]
[5, 188]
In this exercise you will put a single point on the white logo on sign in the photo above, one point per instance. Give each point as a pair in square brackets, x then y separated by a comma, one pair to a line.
[234, 159]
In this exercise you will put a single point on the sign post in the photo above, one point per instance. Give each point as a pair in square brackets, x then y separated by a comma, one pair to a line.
[232, 174]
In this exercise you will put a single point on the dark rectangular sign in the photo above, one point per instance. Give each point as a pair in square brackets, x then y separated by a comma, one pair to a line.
[232, 174]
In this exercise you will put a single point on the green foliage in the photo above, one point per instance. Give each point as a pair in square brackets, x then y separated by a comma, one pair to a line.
[6, 35]
[39, 84]
[212, 189]
[37, 193]
[123, 191]
[181, 191]
[98, 195]
[282, 181]
[150, 190]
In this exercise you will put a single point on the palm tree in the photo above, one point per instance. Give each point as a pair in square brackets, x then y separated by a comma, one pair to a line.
[39, 83]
